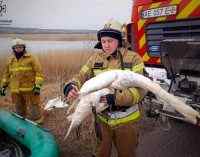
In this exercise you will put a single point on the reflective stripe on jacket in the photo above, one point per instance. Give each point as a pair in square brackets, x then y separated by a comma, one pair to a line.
[132, 114]
[134, 117]
[21, 75]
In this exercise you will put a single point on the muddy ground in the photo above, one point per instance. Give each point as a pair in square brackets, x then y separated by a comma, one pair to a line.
[157, 138]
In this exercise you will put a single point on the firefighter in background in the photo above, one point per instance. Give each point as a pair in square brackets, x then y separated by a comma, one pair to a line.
[117, 124]
[23, 76]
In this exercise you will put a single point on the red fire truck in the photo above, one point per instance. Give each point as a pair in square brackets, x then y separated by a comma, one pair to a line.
[156, 20]
[166, 34]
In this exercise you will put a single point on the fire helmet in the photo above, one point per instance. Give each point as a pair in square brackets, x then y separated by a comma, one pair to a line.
[18, 41]
[111, 29]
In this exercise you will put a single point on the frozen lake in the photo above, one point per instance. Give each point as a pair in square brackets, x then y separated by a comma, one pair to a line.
[46, 46]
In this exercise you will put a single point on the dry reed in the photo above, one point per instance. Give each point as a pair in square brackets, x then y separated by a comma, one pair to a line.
[57, 65]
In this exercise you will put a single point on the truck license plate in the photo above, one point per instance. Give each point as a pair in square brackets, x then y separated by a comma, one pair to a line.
[157, 12]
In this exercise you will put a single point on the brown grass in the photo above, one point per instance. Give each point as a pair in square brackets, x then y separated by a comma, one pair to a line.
[2, 63]
[62, 64]
[58, 67]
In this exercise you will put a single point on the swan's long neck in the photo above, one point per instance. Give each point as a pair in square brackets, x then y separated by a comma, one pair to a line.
[145, 83]
[69, 130]
[101, 81]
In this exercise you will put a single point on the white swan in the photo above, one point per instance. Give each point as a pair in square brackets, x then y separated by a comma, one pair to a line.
[122, 79]
[84, 107]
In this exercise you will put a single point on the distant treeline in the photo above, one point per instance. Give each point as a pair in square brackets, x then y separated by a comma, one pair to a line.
[47, 34]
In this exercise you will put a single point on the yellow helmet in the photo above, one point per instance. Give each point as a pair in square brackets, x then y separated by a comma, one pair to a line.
[112, 29]
[18, 41]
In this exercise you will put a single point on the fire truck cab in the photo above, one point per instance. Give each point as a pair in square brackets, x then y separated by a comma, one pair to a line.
[166, 34]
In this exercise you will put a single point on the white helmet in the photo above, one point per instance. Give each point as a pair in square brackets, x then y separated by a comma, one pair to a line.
[112, 29]
[113, 24]
[18, 41]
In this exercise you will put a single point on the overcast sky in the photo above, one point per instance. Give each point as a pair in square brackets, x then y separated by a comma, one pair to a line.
[66, 14]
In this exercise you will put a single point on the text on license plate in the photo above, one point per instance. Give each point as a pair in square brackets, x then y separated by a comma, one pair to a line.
[156, 12]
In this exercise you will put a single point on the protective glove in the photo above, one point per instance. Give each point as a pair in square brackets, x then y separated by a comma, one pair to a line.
[2, 91]
[36, 90]
[111, 101]
[67, 88]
